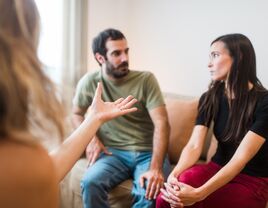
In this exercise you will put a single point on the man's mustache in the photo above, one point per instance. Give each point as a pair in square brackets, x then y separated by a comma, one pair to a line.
[123, 64]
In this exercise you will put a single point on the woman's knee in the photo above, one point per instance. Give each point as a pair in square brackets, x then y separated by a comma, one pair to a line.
[161, 203]
[195, 176]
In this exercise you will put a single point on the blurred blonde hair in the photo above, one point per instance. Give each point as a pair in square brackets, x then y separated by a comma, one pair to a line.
[27, 97]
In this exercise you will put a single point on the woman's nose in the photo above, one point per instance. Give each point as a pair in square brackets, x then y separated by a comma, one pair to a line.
[209, 64]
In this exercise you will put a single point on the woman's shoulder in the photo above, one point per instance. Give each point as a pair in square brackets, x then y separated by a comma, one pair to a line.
[27, 172]
[16, 155]
[262, 97]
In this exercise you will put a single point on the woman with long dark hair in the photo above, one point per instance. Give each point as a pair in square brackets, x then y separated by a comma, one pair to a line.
[237, 104]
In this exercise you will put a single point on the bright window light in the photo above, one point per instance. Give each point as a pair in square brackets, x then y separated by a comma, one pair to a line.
[51, 39]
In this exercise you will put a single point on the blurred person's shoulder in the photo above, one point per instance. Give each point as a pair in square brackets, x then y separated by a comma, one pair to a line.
[27, 176]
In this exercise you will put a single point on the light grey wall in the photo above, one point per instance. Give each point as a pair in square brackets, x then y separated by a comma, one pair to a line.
[171, 38]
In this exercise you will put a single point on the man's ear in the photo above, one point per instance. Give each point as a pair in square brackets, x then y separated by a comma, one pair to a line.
[100, 58]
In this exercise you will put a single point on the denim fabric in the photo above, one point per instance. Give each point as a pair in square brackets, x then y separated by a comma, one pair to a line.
[108, 171]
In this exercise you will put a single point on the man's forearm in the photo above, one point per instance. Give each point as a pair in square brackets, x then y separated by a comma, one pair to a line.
[160, 144]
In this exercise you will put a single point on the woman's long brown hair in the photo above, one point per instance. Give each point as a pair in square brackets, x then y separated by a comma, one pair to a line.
[27, 97]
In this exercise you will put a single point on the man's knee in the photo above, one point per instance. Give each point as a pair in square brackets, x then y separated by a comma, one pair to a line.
[139, 199]
[91, 181]
[89, 184]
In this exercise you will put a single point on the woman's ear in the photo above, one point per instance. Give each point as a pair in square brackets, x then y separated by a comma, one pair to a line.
[100, 58]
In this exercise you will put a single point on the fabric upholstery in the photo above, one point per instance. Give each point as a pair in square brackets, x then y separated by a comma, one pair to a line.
[182, 111]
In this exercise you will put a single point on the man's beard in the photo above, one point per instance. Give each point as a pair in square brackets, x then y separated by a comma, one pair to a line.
[117, 72]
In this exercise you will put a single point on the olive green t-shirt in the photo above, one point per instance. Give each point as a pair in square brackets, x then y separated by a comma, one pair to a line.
[133, 131]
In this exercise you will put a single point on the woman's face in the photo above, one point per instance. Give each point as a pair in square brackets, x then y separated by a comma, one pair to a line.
[220, 61]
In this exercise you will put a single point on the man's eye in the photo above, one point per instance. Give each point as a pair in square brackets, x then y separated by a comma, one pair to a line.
[116, 53]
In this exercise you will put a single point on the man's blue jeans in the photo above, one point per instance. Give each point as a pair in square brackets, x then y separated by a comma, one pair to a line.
[110, 170]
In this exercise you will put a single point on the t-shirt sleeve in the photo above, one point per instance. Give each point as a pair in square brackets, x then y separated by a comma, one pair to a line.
[200, 119]
[154, 97]
[260, 123]
[83, 95]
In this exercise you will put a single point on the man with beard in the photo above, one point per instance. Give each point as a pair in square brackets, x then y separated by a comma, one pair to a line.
[132, 146]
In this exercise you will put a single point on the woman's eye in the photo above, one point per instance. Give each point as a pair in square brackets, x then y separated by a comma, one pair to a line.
[214, 55]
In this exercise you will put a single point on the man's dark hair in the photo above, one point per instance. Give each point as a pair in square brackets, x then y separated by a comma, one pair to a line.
[98, 44]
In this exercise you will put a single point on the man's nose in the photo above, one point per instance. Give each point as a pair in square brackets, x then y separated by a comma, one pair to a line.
[124, 57]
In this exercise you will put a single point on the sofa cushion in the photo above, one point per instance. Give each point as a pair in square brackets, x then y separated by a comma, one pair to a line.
[182, 113]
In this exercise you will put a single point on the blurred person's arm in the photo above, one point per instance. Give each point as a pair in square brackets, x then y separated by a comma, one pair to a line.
[65, 156]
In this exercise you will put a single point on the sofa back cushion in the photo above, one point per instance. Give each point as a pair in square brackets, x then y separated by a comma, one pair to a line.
[182, 112]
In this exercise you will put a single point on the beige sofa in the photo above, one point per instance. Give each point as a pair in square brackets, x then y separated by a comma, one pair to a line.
[182, 111]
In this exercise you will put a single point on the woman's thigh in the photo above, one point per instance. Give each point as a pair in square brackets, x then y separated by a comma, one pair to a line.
[243, 191]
